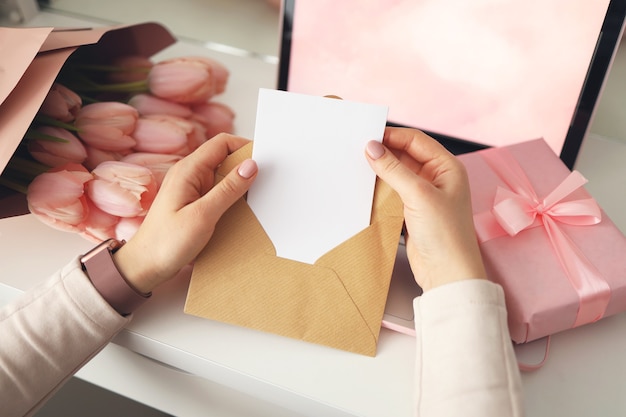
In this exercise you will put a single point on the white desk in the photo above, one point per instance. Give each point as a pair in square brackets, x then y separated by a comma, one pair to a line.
[210, 368]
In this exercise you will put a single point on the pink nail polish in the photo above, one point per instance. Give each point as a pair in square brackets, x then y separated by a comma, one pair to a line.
[375, 149]
[247, 168]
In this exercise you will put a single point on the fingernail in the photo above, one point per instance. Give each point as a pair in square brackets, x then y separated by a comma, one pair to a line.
[247, 168]
[375, 149]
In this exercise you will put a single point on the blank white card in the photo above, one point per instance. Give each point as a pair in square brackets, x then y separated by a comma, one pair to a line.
[315, 188]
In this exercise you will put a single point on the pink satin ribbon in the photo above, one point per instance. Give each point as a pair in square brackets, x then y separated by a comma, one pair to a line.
[519, 208]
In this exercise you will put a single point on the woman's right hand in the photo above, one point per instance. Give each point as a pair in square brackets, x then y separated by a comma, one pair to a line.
[432, 183]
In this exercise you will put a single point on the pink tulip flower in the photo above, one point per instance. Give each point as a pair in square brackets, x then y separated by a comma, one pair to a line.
[57, 153]
[61, 103]
[147, 104]
[157, 163]
[215, 117]
[131, 68]
[122, 189]
[97, 156]
[197, 137]
[98, 225]
[220, 73]
[183, 80]
[167, 134]
[127, 227]
[107, 125]
[58, 199]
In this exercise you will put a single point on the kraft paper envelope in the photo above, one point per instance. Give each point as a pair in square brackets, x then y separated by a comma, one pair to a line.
[338, 301]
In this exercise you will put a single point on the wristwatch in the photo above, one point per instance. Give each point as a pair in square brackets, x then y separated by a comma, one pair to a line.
[100, 267]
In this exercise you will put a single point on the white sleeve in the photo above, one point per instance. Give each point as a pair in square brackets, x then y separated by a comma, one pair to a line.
[465, 363]
[47, 334]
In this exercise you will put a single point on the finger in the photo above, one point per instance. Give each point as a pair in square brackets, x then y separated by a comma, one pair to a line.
[194, 175]
[421, 147]
[425, 156]
[213, 152]
[389, 168]
[226, 192]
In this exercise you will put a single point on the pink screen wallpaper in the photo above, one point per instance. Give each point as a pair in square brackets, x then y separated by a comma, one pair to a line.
[495, 72]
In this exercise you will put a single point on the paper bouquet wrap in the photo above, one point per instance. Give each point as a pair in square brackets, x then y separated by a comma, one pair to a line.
[33, 59]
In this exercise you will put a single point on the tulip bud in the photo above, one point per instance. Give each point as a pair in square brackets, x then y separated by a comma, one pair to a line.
[97, 156]
[183, 80]
[147, 104]
[99, 225]
[157, 163]
[61, 103]
[107, 125]
[57, 153]
[196, 138]
[57, 197]
[220, 73]
[122, 189]
[215, 117]
[167, 134]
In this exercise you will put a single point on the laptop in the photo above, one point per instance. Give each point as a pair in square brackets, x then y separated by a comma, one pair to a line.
[472, 74]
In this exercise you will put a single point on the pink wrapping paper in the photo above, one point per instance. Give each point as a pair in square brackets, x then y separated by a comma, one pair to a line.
[540, 296]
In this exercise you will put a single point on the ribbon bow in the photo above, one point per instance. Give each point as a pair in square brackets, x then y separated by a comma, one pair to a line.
[516, 211]
[518, 208]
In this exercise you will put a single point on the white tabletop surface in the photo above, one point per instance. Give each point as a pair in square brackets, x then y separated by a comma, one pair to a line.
[583, 376]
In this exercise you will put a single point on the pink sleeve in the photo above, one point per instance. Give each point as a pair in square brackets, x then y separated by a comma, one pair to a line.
[48, 334]
[465, 363]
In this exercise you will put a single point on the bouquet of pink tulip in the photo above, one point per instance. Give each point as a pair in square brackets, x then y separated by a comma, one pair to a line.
[98, 149]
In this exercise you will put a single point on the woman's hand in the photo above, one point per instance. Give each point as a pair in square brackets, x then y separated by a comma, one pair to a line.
[432, 183]
[183, 216]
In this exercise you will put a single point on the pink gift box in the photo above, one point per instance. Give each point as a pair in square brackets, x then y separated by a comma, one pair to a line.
[562, 269]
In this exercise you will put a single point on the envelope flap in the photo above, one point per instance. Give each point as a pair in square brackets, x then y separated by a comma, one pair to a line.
[364, 264]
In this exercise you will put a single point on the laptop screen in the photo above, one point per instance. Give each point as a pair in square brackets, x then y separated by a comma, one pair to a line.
[473, 74]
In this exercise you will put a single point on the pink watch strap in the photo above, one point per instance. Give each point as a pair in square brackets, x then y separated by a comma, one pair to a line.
[107, 279]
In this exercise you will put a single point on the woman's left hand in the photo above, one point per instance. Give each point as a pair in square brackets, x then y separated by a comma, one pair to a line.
[183, 216]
